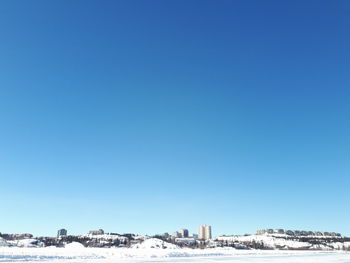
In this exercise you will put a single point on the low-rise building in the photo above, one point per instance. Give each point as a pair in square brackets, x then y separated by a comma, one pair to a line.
[280, 231]
[185, 241]
[261, 232]
[96, 232]
[297, 233]
[304, 233]
[290, 233]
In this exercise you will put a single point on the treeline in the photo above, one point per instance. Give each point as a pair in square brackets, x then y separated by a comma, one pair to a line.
[11, 237]
[323, 243]
[86, 241]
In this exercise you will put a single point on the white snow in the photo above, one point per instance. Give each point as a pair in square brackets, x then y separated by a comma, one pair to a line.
[27, 242]
[3, 242]
[74, 246]
[270, 241]
[155, 243]
[138, 255]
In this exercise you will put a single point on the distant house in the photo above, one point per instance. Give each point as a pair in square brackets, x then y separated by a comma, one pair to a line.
[96, 232]
[290, 233]
[303, 233]
[269, 231]
[297, 233]
[333, 234]
[280, 231]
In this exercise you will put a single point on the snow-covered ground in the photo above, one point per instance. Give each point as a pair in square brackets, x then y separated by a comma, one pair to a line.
[77, 254]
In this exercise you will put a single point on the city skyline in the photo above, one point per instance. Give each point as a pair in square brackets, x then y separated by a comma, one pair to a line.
[145, 117]
[204, 233]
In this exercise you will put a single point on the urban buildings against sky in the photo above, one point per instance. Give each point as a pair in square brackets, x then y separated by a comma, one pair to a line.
[204, 233]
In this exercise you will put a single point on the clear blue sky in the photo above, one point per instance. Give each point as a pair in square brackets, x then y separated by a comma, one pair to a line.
[150, 116]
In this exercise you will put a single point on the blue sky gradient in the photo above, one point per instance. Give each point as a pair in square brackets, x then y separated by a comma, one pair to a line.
[150, 116]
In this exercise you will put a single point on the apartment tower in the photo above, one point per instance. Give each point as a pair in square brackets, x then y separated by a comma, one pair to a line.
[204, 232]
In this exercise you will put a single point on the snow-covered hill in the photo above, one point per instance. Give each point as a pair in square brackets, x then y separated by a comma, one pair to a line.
[284, 242]
[155, 243]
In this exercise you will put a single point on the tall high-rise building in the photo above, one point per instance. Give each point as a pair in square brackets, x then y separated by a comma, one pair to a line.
[201, 232]
[184, 232]
[61, 232]
[204, 232]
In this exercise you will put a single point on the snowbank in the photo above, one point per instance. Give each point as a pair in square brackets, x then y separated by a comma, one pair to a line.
[74, 245]
[136, 255]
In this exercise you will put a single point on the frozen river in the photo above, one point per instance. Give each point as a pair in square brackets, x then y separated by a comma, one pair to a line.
[124, 255]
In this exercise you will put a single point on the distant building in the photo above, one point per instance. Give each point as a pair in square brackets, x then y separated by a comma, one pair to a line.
[165, 235]
[23, 236]
[280, 231]
[304, 233]
[176, 234]
[204, 232]
[261, 232]
[269, 231]
[96, 232]
[61, 232]
[290, 233]
[184, 233]
[297, 233]
[185, 241]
